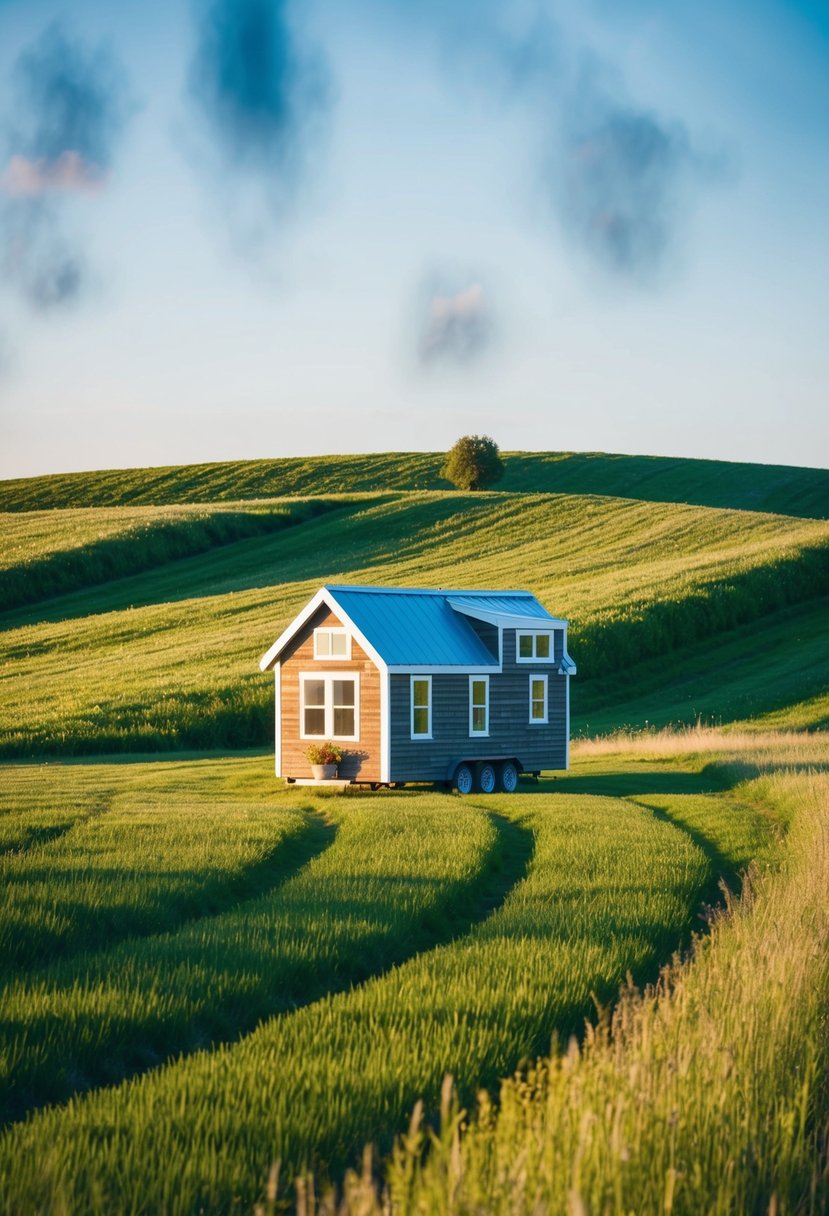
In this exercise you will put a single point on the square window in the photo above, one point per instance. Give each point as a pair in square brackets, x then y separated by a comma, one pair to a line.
[535, 646]
[332, 643]
[329, 707]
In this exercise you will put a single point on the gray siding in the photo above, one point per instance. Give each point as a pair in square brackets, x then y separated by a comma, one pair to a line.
[510, 732]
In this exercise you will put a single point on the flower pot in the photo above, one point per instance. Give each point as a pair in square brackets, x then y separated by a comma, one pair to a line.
[324, 772]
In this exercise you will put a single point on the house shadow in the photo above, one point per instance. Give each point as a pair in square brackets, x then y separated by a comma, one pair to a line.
[645, 780]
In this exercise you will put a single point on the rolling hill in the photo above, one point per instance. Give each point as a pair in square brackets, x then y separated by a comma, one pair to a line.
[730, 603]
[781, 489]
[204, 971]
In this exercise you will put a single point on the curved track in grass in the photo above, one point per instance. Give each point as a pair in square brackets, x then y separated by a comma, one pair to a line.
[122, 871]
[612, 888]
[371, 894]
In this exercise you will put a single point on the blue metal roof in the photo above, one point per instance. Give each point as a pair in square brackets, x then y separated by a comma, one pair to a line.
[416, 627]
[510, 603]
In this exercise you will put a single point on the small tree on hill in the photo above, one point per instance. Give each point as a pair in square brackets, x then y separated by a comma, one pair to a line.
[474, 463]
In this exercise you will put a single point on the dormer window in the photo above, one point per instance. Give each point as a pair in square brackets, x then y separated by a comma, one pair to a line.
[534, 646]
[332, 644]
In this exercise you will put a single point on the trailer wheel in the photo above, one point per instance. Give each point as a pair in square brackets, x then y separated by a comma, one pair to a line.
[486, 778]
[464, 778]
[508, 777]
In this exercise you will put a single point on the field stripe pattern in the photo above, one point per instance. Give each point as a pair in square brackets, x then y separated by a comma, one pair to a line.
[312, 1084]
[385, 887]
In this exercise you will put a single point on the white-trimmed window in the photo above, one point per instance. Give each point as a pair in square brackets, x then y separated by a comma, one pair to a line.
[538, 700]
[332, 643]
[534, 646]
[479, 705]
[421, 721]
[329, 706]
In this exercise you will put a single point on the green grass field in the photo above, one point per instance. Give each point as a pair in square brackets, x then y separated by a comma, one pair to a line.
[204, 973]
[638, 580]
[592, 887]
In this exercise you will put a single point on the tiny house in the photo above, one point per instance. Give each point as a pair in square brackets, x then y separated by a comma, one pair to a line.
[465, 688]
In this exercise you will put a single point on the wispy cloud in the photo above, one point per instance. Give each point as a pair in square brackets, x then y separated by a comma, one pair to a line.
[263, 97]
[622, 179]
[619, 177]
[456, 322]
[71, 106]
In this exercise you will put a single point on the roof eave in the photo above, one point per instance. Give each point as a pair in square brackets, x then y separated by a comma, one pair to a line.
[508, 620]
[323, 596]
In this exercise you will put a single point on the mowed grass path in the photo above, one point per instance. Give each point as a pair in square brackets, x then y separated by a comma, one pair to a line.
[613, 887]
[637, 579]
[394, 876]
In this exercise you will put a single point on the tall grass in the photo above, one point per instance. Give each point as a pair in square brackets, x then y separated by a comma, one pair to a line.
[399, 875]
[707, 1093]
[612, 887]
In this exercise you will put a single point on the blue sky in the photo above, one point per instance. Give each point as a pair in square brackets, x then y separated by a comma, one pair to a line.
[250, 228]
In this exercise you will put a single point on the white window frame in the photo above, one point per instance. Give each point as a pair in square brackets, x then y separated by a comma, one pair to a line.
[328, 703]
[478, 734]
[329, 630]
[413, 734]
[535, 634]
[536, 675]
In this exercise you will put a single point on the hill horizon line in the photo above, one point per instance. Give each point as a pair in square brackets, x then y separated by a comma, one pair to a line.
[777, 489]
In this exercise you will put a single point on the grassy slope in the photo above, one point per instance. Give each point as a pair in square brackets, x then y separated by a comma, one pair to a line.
[774, 670]
[47, 553]
[637, 580]
[778, 488]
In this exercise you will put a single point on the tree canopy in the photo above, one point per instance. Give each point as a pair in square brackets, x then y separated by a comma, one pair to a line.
[473, 463]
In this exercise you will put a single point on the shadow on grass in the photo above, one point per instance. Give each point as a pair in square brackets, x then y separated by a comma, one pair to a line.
[58, 1061]
[646, 780]
[98, 927]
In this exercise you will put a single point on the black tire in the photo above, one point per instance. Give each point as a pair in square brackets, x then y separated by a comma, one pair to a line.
[486, 778]
[508, 777]
[464, 779]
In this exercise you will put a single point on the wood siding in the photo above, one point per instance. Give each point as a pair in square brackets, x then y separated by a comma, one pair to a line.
[362, 758]
[536, 746]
